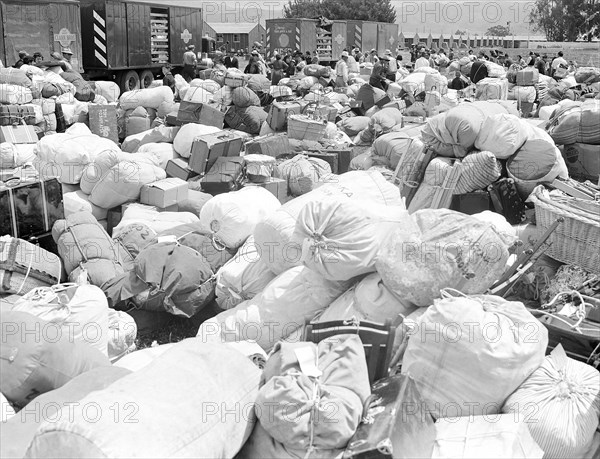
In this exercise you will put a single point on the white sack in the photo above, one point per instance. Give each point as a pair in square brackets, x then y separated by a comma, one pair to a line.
[232, 217]
[278, 311]
[482, 338]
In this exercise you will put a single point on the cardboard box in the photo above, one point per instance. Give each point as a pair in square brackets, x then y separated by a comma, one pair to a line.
[278, 187]
[279, 112]
[103, 121]
[192, 112]
[18, 134]
[270, 145]
[164, 193]
[207, 148]
[180, 168]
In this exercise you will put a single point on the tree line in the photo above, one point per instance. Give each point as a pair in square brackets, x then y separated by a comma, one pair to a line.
[559, 20]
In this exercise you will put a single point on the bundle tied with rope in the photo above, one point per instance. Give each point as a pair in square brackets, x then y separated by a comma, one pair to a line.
[312, 399]
[25, 266]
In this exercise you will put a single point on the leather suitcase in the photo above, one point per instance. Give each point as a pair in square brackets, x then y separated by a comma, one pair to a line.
[207, 148]
[192, 112]
[471, 203]
[270, 145]
[279, 112]
[330, 157]
[395, 423]
[226, 174]
[507, 201]
[344, 156]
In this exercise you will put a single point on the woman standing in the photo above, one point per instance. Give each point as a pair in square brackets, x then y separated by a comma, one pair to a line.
[278, 67]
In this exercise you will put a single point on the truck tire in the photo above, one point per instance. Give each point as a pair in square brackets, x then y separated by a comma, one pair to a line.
[129, 81]
[146, 78]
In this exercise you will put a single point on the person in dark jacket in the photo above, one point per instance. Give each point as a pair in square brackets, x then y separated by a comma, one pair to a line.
[479, 71]
[168, 78]
[379, 72]
[19, 63]
[231, 62]
[459, 82]
[252, 67]
[279, 67]
[291, 66]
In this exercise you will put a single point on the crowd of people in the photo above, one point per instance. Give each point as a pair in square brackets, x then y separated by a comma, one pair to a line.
[37, 58]
[385, 67]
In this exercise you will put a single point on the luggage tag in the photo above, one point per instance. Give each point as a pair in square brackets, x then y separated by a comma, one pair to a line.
[308, 359]
[170, 239]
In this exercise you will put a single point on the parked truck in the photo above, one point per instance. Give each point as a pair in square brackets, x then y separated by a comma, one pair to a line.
[39, 26]
[126, 41]
[329, 38]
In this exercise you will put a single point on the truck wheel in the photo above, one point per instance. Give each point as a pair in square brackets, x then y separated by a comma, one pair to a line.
[146, 79]
[129, 81]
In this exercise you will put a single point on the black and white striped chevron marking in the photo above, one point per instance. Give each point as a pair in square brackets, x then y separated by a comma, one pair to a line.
[100, 38]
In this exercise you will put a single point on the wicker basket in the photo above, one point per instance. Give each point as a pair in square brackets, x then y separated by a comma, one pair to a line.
[302, 127]
[576, 241]
[24, 266]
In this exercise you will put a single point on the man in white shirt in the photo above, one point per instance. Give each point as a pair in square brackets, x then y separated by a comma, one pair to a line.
[560, 61]
[341, 70]
[189, 64]
[422, 61]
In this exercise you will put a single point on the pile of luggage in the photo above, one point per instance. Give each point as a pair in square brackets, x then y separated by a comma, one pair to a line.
[374, 260]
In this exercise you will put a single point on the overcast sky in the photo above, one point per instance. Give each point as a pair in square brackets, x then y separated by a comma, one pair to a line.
[443, 16]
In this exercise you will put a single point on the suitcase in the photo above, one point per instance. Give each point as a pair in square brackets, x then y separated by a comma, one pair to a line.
[330, 157]
[171, 120]
[207, 148]
[30, 209]
[344, 156]
[180, 168]
[235, 80]
[507, 201]
[279, 112]
[527, 77]
[226, 174]
[471, 203]
[192, 112]
[395, 423]
[270, 145]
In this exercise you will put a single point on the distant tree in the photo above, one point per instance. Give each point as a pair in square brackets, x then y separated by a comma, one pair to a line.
[498, 31]
[460, 33]
[567, 20]
[303, 9]
[365, 10]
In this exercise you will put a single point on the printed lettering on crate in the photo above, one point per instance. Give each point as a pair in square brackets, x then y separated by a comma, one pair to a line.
[103, 121]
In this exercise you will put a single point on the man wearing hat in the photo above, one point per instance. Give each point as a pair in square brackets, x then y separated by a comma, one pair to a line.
[372, 57]
[392, 65]
[341, 70]
[19, 63]
[379, 72]
[189, 64]
[67, 54]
